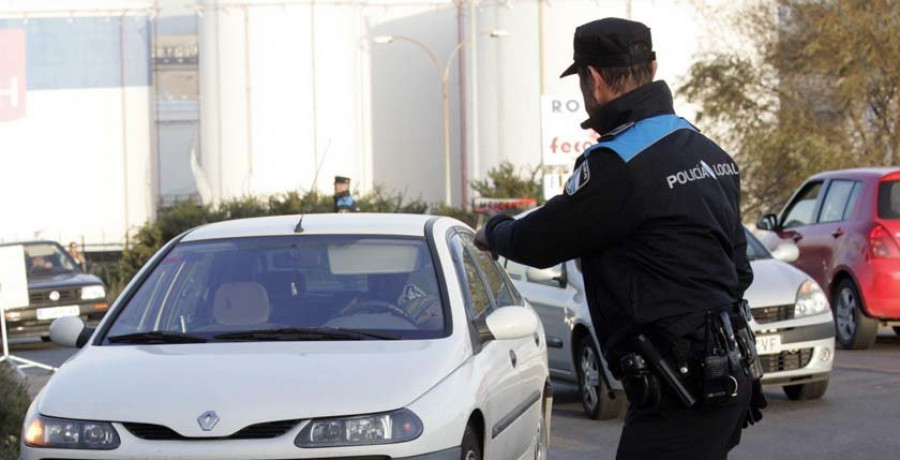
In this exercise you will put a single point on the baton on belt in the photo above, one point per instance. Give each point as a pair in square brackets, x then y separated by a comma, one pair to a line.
[646, 348]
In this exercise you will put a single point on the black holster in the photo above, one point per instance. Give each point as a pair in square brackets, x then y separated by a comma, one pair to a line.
[645, 371]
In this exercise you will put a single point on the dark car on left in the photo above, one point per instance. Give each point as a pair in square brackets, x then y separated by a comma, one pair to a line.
[57, 287]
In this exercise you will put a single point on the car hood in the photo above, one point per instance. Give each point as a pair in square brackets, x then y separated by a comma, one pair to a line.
[245, 383]
[62, 280]
[774, 283]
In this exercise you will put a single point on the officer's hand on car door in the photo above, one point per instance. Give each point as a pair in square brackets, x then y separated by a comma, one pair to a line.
[481, 242]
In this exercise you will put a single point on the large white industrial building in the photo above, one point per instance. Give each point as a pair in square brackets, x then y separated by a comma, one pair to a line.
[130, 103]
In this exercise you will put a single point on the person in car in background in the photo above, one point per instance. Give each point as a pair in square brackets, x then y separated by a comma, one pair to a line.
[39, 264]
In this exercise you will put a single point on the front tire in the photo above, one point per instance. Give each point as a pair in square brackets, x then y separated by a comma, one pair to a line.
[595, 397]
[806, 391]
[855, 330]
[471, 448]
[897, 330]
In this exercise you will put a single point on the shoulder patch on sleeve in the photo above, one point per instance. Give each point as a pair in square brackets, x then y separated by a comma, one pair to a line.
[578, 179]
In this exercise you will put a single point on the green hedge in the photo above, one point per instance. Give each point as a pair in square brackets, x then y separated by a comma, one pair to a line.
[14, 402]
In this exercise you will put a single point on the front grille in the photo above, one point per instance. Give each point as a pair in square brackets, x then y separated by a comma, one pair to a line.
[152, 432]
[266, 430]
[65, 295]
[771, 314]
[786, 360]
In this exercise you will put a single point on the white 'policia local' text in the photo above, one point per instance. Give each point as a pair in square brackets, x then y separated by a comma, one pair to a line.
[702, 171]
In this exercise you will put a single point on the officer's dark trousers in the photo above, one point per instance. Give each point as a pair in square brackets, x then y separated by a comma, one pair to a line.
[672, 431]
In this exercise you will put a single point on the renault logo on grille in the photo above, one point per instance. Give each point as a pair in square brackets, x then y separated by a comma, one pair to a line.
[208, 420]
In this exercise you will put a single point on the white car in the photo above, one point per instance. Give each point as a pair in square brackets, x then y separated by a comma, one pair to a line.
[338, 336]
[791, 317]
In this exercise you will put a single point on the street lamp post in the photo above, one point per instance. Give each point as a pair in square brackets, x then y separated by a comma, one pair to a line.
[444, 74]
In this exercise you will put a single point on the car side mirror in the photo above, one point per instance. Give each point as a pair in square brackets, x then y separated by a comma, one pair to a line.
[786, 252]
[70, 332]
[546, 275]
[509, 323]
[768, 222]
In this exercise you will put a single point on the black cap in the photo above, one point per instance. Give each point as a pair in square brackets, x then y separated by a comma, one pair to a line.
[607, 42]
[341, 180]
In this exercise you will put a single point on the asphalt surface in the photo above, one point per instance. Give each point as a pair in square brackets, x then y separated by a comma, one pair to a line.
[857, 418]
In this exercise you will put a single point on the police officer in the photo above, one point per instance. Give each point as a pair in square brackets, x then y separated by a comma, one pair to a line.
[653, 213]
[343, 201]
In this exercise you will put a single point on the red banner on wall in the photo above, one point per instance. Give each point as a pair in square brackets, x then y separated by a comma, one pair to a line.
[12, 74]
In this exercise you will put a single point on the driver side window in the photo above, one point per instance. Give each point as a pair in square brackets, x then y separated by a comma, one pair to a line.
[478, 301]
[500, 290]
[802, 210]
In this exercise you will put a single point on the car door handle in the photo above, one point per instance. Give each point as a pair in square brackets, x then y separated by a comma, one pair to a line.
[838, 233]
[512, 358]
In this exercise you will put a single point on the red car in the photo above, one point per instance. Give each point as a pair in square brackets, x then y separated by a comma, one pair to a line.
[847, 226]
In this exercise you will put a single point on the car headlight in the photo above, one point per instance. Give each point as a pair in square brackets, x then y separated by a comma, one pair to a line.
[393, 427]
[61, 433]
[93, 292]
[811, 300]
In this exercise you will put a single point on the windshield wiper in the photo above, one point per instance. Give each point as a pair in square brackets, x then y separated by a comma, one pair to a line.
[306, 333]
[156, 337]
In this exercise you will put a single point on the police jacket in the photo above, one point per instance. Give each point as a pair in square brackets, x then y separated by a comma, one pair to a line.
[653, 212]
[344, 202]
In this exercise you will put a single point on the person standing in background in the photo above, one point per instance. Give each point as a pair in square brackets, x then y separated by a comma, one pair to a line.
[343, 201]
[77, 256]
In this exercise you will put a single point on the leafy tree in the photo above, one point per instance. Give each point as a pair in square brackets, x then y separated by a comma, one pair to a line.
[504, 182]
[819, 91]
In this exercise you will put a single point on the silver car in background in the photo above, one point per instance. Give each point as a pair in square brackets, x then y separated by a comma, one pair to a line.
[791, 317]
[557, 295]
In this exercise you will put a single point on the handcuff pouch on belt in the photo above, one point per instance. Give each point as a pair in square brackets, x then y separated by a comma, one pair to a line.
[730, 354]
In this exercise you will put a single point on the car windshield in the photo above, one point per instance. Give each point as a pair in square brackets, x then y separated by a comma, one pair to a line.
[47, 259]
[755, 249]
[288, 288]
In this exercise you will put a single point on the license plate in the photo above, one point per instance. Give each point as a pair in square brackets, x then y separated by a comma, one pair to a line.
[58, 312]
[768, 344]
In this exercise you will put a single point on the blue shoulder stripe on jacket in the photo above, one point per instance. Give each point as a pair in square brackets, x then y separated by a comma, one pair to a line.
[643, 134]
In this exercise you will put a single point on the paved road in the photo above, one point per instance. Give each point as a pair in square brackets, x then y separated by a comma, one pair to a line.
[857, 419]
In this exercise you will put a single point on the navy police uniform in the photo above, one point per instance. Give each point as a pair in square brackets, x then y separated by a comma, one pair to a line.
[653, 213]
[343, 200]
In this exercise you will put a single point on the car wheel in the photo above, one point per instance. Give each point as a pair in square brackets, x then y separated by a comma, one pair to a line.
[471, 449]
[855, 330]
[595, 397]
[897, 330]
[813, 390]
[45, 338]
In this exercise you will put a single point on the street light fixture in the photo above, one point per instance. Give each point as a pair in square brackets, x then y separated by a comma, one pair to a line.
[444, 74]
